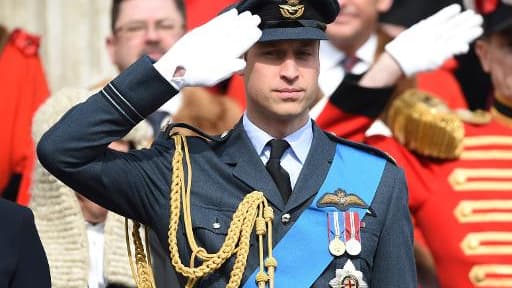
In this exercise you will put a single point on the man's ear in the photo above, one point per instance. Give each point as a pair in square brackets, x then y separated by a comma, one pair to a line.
[242, 72]
[384, 5]
[110, 43]
[482, 51]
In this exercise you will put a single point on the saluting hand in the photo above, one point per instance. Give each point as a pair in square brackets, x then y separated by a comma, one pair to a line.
[210, 53]
[430, 42]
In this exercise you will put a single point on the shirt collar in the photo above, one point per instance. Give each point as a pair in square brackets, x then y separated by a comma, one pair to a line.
[331, 56]
[366, 53]
[300, 140]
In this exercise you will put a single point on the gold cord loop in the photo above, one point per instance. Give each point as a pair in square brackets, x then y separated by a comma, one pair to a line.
[237, 240]
[252, 211]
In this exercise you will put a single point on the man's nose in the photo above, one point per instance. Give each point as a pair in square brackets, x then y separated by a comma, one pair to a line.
[152, 33]
[289, 69]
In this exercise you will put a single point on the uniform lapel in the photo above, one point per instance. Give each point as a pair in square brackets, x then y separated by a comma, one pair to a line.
[248, 167]
[315, 169]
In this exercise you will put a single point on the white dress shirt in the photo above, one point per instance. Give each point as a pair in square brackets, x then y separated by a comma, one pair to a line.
[331, 71]
[294, 157]
[95, 235]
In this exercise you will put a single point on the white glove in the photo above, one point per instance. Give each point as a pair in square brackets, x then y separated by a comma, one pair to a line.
[211, 52]
[430, 42]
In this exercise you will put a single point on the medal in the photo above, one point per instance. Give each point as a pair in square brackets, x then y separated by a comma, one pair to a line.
[352, 233]
[336, 245]
[353, 247]
[348, 277]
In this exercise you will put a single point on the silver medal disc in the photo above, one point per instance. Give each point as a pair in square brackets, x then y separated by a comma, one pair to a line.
[353, 247]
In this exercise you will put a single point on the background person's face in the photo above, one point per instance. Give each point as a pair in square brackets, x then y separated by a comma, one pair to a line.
[148, 27]
[357, 20]
[495, 56]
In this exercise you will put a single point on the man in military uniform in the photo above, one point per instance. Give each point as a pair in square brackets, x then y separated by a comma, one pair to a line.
[465, 214]
[329, 212]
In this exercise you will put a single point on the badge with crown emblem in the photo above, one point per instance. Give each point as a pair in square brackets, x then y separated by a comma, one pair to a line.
[292, 9]
[348, 277]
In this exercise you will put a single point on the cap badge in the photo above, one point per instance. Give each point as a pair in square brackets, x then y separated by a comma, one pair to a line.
[292, 9]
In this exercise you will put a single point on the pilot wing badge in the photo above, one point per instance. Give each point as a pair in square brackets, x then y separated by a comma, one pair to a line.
[341, 200]
[292, 9]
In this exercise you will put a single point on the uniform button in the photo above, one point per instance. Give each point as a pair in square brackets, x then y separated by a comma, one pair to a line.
[467, 211]
[285, 219]
[473, 244]
[216, 225]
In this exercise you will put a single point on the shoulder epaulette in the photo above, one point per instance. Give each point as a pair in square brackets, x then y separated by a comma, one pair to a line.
[424, 124]
[181, 128]
[366, 148]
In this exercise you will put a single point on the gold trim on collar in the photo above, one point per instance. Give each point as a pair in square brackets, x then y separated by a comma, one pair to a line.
[479, 211]
[480, 275]
[464, 179]
[477, 243]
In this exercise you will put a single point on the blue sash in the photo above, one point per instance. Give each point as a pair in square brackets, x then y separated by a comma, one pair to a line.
[303, 254]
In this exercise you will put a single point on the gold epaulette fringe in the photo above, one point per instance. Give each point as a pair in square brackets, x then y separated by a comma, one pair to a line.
[425, 125]
[253, 213]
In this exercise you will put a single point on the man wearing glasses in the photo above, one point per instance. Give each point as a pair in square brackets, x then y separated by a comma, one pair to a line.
[141, 27]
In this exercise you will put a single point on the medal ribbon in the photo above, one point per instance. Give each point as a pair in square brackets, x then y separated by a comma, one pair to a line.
[335, 229]
[303, 254]
[352, 226]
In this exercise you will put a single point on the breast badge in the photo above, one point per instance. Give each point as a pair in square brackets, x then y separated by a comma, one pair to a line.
[341, 201]
[348, 277]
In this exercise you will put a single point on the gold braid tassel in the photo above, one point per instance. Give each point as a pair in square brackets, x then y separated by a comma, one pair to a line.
[239, 232]
[142, 272]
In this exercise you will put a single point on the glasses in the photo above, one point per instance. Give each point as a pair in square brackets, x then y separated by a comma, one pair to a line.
[138, 29]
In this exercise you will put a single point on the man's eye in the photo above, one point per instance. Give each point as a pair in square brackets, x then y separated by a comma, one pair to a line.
[269, 54]
[304, 54]
[166, 26]
[137, 28]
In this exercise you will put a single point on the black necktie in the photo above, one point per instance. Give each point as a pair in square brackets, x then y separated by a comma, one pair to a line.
[278, 173]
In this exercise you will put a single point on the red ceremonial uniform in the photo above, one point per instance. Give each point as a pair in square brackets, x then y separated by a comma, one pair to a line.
[200, 11]
[464, 206]
[24, 88]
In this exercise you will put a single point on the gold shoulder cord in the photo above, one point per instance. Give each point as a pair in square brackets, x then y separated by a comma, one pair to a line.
[253, 210]
[424, 124]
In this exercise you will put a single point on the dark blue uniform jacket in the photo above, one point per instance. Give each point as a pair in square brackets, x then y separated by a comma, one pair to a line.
[23, 262]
